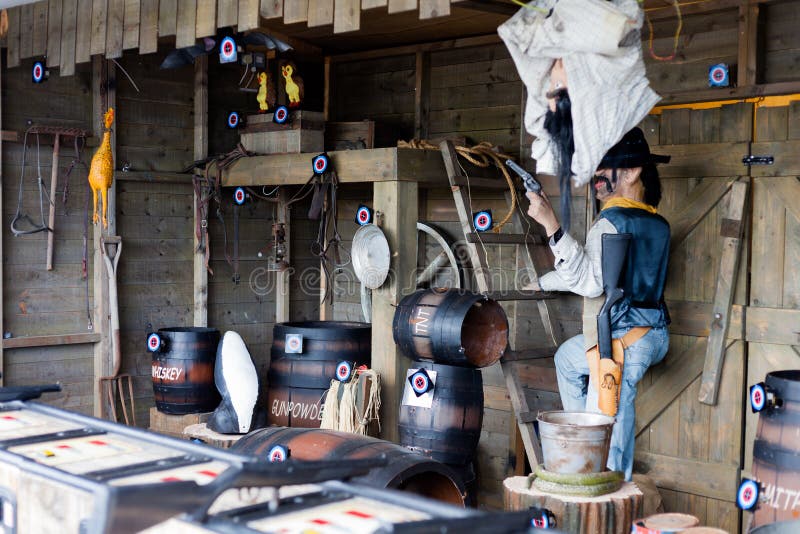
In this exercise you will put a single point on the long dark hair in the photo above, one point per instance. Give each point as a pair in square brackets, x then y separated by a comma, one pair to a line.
[559, 126]
[651, 183]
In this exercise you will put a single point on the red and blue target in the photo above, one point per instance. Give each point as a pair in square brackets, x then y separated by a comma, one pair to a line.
[281, 115]
[363, 215]
[277, 454]
[344, 370]
[153, 342]
[227, 50]
[233, 120]
[482, 220]
[320, 163]
[718, 75]
[758, 397]
[38, 72]
[294, 344]
[747, 495]
[239, 196]
[542, 521]
[420, 382]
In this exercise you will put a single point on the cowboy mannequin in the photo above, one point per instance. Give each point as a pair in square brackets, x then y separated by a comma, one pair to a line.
[627, 185]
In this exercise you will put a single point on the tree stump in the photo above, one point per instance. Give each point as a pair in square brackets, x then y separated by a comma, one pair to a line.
[612, 513]
[206, 435]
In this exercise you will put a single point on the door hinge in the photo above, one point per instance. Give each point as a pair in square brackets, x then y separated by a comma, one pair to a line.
[758, 160]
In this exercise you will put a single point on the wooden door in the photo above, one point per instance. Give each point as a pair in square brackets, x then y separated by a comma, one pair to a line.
[693, 450]
[773, 316]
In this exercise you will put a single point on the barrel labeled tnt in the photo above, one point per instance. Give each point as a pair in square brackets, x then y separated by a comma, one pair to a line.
[183, 369]
[452, 327]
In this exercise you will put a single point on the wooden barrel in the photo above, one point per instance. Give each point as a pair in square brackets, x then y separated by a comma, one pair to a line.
[446, 426]
[451, 326]
[405, 470]
[776, 451]
[304, 360]
[183, 370]
[782, 527]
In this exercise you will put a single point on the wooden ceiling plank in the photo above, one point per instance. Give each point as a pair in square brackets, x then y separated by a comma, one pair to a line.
[227, 13]
[186, 24]
[130, 26]
[320, 13]
[54, 33]
[347, 16]
[83, 32]
[39, 29]
[12, 38]
[206, 24]
[26, 31]
[115, 28]
[429, 9]
[271, 9]
[370, 4]
[168, 17]
[68, 32]
[295, 11]
[397, 6]
[99, 13]
[248, 15]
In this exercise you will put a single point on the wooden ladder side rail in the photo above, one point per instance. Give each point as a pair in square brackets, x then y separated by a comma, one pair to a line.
[478, 258]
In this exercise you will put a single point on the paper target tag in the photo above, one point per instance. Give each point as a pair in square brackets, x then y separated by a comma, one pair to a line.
[233, 120]
[294, 344]
[320, 164]
[419, 380]
[748, 494]
[227, 51]
[277, 454]
[482, 220]
[281, 115]
[38, 72]
[344, 370]
[239, 196]
[153, 342]
[758, 397]
[363, 215]
[718, 75]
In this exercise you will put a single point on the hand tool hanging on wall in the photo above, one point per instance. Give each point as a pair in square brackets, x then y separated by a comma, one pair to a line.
[115, 381]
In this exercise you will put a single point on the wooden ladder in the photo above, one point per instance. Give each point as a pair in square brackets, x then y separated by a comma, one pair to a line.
[524, 411]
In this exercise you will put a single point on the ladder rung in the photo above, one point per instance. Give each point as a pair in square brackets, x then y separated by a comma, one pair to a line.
[527, 417]
[519, 295]
[490, 238]
[487, 183]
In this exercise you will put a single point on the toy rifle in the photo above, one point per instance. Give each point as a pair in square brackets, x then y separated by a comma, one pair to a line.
[23, 393]
[614, 254]
[531, 184]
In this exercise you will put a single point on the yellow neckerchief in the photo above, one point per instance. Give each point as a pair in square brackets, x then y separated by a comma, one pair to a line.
[622, 202]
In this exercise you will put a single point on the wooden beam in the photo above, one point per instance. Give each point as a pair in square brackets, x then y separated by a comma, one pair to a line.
[283, 288]
[730, 93]
[83, 32]
[709, 479]
[481, 40]
[130, 32]
[692, 318]
[68, 34]
[398, 6]
[200, 278]
[422, 95]
[271, 9]
[227, 13]
[398, 203]
[347, 16]
[54, 33]
[50, 341]
[206, 23]
[320, 12]
[326, 110]
[12, 38]
[295, 11]
[115, 28]
[773, 325]
[731, 232]
[748, 45]
[168, 17]
[39, 45]
[99, 15]
[248, 15]
[186, 25]
[148, 27]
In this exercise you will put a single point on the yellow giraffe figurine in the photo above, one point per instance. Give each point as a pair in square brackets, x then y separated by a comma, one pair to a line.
[101, 172]
[263, 104]
[294, 85]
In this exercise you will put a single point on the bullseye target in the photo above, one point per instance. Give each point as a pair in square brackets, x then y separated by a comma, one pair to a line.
[482, 220]
[541, 522]
[233, 120]
[153, 342]
[747, 496]
[758, 397]
[718, 75]
[278, 453]
[344, 371]
[281, 115]
[294, 344]
[320, 163]
[38, 72]
[239, 195]
[420, 382]
[227, 50]
[363, 215]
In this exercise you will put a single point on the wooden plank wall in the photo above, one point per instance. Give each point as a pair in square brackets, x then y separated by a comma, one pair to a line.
[781, 42]
[37, 301]
[155, 220]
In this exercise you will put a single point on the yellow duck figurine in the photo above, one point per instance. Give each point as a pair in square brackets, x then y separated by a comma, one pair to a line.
[101, 172]
[294, 86]
[263, 105]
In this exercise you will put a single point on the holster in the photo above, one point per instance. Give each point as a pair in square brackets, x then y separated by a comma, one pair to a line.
[606, 373]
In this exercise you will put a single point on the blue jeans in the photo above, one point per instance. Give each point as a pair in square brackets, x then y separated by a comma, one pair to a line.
[577, 395]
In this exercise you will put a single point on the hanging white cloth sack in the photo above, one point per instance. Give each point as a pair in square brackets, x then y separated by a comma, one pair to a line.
[600, 44]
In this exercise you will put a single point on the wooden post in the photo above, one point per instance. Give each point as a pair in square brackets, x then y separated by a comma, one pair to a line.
[200, 289]
[327, 94]
[282, 296]
[397, 202]
[103, 97]
[748, 45]
[422, 95]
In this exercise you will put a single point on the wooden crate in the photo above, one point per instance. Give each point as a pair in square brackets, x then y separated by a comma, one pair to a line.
[174, 425]
[304, 132]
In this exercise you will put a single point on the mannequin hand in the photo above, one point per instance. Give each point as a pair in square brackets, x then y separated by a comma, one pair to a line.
[542, 212]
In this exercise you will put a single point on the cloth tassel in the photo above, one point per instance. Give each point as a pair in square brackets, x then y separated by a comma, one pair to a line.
[330, 412]
[347, 407]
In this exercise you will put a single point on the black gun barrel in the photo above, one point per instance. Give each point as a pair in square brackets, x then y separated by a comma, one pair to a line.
[614, 253]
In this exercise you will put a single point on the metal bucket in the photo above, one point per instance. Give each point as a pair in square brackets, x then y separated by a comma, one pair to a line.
[575, 442]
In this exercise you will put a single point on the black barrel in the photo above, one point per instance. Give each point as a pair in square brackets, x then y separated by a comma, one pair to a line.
[405, 469]
[298, 381]
[451, 326]
[449, 430]
[776, 451]
[183, 370]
